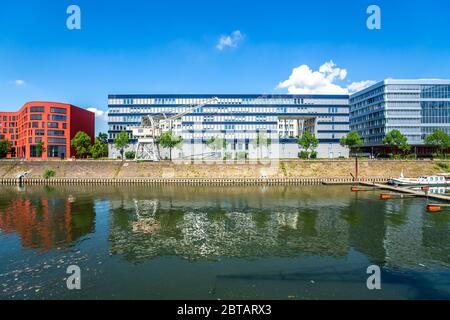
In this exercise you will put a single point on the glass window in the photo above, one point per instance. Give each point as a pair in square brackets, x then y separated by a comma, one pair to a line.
[33, 151]
[59, 118]
[53, 125]
[37, 109]
[57, 152]
[58, 110]
[55, 133]
[57, 140]
[36, 117]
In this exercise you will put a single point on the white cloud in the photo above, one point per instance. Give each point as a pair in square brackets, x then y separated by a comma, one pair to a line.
[358, 86]
[99, 114]
[231, 41]
[19, 83]
[303, 80]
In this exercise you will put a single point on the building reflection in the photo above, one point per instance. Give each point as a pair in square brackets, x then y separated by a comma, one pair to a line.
[46, 222]
[276, 223]
[224, 227]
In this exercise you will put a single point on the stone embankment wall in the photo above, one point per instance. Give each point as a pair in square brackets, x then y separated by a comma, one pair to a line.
[283, 170]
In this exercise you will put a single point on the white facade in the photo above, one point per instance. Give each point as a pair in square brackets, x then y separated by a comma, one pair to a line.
[241, 121]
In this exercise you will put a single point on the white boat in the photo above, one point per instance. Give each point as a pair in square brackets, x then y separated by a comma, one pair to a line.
[439, 180]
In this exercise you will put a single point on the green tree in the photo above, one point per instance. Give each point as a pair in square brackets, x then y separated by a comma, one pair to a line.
[395, 138]
[4, 148]
[216, 144]
[99, 149]
[439, 139]
[81, 143]
[130, 155]
[351, 140]
[170, 141]
[103, 137]
[261, 141]
[122, 142]
[40, 149]
[308, 141]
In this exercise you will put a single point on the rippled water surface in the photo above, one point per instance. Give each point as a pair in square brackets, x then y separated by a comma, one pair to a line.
[308, 242]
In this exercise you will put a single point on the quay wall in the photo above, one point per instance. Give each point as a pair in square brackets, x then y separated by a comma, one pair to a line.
[288, 170]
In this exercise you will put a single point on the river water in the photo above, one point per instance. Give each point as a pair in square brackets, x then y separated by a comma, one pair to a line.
[285, 242]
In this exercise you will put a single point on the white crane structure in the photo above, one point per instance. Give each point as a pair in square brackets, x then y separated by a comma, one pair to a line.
[152, 127]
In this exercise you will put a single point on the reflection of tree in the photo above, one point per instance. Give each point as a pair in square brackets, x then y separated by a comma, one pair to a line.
[261, 218]
[211, 233]
[307, 220]
[366, 221]
[351, 214]
[436, 230]
[396, 213]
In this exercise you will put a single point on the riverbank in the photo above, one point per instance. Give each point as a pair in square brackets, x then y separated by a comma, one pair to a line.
[286, 171]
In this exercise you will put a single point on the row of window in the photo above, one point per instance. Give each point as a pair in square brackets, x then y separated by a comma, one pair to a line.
[49, 140]
[243, 109]
[38, 109]
[52, 151]
[49, 117]
[50, 125]
[52, 133]
[232, 101]
[8, 124]
[9, 118]
[10, 130]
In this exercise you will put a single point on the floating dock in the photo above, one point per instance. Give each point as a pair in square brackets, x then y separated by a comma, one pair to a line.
[406, 191]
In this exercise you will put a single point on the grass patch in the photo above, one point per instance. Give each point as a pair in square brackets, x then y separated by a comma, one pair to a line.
[49, 173]
[443, 166]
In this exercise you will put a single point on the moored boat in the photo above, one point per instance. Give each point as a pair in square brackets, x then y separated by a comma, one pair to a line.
[438, 180]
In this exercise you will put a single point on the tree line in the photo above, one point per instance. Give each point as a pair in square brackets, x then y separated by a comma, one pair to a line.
[167, 140]
[395, 139]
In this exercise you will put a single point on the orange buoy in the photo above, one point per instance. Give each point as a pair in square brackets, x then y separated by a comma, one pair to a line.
[434, 208]
[355, 189]
[385, 196]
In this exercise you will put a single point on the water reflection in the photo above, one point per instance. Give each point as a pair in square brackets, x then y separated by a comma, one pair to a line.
[279, 222]
[144, 223]
[45, 221]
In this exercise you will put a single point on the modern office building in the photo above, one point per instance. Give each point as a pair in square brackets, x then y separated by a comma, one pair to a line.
[239, 120]
[414, 107]
[54, 124]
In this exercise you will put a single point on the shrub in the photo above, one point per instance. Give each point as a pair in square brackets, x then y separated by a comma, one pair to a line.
[313, 155]
[49, 173]
[228, 156]
[436, 156]
[303, 155]
[130, 155]
[443, 166]
[242, 155]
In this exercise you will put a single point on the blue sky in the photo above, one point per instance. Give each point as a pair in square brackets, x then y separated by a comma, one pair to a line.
[138, 46]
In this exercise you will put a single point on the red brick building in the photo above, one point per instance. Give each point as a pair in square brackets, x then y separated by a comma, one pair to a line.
[54, 124]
